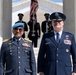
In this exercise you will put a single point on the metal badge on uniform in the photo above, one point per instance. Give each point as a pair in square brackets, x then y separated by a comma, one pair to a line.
[67, 50]
[56, 14]
[66, 41]
[67, 36]
[26, 44]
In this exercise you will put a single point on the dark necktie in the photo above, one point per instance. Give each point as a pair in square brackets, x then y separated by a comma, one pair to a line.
[18, 42]
[57, 37]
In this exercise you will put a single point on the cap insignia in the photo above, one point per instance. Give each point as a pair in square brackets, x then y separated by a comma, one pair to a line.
[56, 14]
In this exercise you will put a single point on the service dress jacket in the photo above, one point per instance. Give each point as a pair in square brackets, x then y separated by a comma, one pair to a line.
[55, 58]
[17, 58]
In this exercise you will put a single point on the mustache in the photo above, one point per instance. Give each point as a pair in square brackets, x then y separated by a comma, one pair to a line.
[16, 32]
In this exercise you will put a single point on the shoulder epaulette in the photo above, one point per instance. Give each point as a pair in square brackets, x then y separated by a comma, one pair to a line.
[27, 39]
[6, 40]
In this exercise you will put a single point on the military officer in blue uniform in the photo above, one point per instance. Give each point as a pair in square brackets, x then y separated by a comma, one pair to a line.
[56, 48]
[17, 56]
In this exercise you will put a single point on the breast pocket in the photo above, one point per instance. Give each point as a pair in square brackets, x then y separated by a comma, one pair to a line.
[48, 45]
[68, 68]
[8, 72]
[26, 52]
[28, 70]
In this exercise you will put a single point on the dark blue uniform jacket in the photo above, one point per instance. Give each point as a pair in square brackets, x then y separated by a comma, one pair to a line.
[17, 59]
[55, 58]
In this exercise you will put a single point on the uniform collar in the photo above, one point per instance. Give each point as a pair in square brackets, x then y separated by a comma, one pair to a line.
[60, 34]
[17, 39]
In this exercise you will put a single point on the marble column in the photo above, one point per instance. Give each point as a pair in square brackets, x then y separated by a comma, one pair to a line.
[1, 2]
[5, 18]
[69, 9]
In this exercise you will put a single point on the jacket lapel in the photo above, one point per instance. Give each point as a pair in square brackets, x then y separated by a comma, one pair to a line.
[53, 38]
[61, 40]
[15, 42]
[21, 41]
[62, 37]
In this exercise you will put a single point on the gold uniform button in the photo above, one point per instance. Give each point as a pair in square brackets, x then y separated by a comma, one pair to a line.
[67, 50]
[18, 56]
[57, 54]
[18, 47]
[57, 48]
[57, 61]
[10, 50]
[19, 62]
[18, 52]
[19, 67]
[10, 53]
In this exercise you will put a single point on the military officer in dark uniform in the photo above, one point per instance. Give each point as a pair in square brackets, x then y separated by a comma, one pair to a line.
[17, 56]
[56, 48]
[34, 30]
[20, 16]
[44, 25]
[50, 27]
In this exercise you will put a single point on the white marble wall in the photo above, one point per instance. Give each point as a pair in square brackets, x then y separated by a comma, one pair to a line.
[5, 18]
[1, 3]
[69, 9]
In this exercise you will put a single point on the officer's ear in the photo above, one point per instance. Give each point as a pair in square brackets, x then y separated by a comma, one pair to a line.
[52, 23]
[12, 30]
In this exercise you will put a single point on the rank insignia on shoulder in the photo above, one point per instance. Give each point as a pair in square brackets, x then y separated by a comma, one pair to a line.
[26, 44]
[67, 36]
[27, 39]
[6, 40]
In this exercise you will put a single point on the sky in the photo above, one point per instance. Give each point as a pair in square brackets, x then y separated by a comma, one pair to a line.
[50, 0]
[57, 0]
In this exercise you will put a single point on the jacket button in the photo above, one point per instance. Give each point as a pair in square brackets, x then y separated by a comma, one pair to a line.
[57, 48]
[19, 67]
[19, 62]
[57, 54]
[18, 56]
[18, 47]
[18, 52]
[57, 61]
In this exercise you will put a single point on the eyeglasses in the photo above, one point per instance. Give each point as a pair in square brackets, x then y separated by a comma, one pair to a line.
[20, 29]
